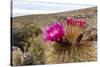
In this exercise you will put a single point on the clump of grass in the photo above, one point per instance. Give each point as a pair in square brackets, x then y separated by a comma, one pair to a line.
[36, 49]
[27, 40]
[21, 38]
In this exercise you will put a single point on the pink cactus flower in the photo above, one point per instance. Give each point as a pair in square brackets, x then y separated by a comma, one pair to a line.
[76, 22]
[70, 20]
[53, 32]
[80, 22]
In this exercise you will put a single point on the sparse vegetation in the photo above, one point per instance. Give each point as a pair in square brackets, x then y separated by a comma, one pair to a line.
[28, 48]
[27, 40]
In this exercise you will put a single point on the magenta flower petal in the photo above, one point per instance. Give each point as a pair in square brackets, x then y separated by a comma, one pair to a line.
[80, 22]
[70, 20]
[53, 32]
[76, 22]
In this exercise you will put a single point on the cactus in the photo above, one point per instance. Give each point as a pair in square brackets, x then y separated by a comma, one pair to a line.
[73, 47]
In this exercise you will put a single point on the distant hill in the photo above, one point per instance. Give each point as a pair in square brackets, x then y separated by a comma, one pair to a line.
[42, 19]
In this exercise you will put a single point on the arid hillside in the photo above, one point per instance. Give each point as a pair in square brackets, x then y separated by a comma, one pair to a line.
[29, 48]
